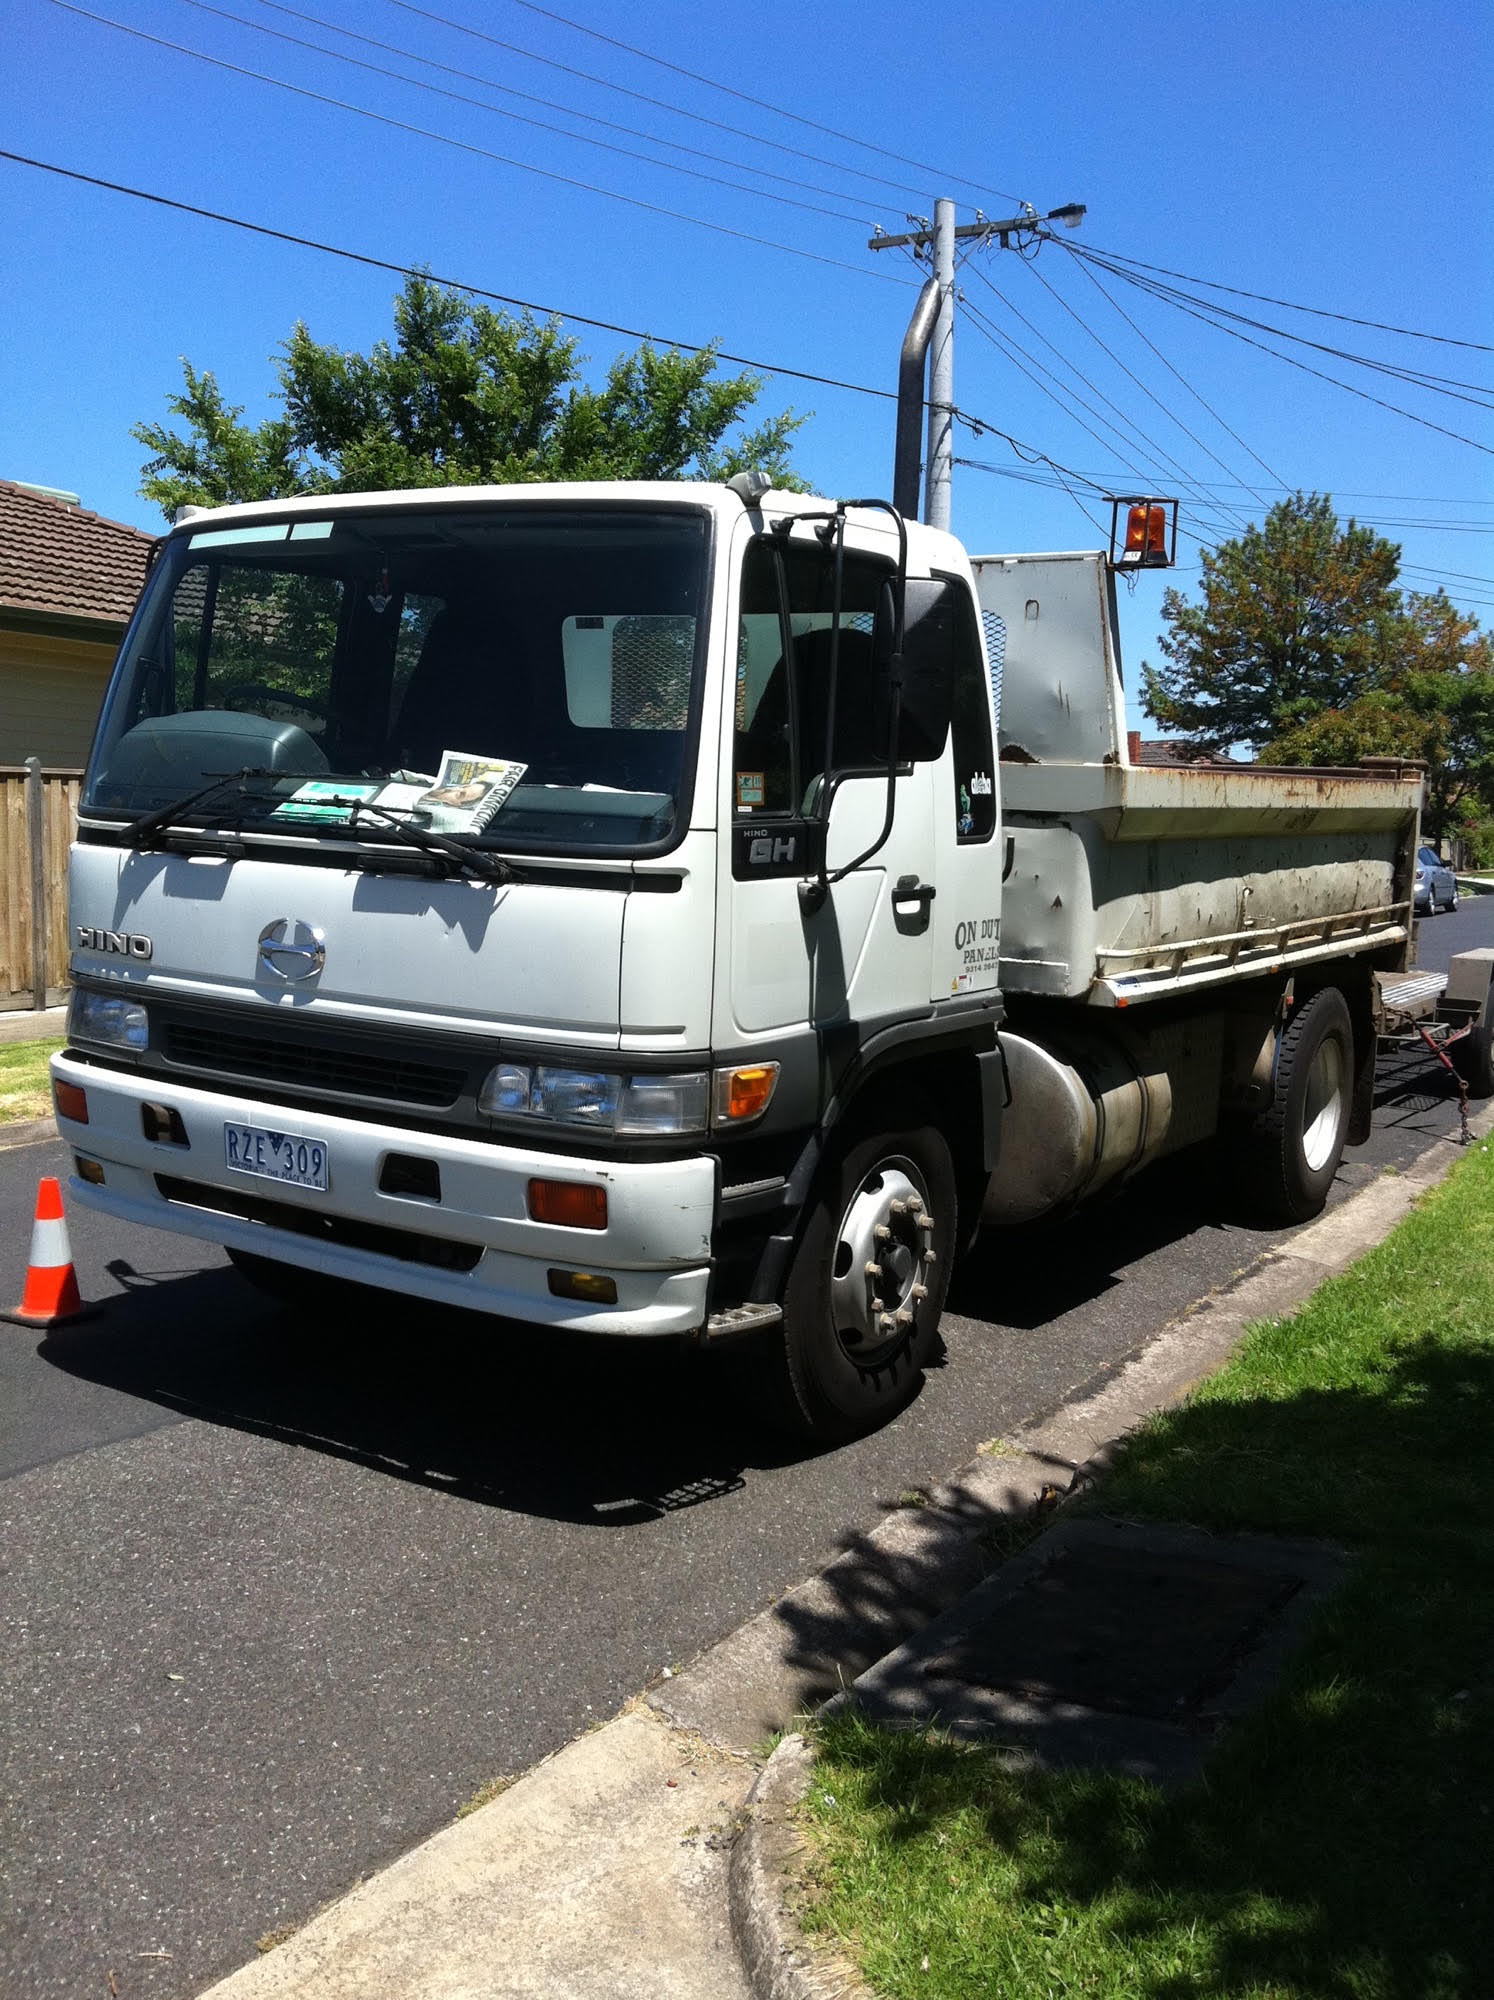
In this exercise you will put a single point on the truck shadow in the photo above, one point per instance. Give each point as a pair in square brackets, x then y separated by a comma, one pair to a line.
[587, 1431]
[610, 1434]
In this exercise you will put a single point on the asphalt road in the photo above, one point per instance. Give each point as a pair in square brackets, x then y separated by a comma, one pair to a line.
[277, 1595]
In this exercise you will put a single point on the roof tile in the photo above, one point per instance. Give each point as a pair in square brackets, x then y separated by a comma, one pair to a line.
[64, 560]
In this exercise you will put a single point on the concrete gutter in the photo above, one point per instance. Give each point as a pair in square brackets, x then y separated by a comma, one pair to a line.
[602, 1874]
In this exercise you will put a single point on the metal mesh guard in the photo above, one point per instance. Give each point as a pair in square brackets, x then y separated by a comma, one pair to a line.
[652, 656]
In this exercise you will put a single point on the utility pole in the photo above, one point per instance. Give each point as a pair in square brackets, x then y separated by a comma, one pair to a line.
[939, 457]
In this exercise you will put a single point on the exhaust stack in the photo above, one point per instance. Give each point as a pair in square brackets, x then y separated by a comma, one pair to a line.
[907, 464]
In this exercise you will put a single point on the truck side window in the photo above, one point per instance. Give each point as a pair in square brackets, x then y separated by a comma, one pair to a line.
[782, 699]
[970, 731]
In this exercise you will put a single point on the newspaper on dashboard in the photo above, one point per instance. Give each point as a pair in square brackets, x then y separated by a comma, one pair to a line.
[469, 791]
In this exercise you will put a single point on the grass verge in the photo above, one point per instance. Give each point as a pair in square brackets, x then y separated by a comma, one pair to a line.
[1341, 1843]
[25, 1087]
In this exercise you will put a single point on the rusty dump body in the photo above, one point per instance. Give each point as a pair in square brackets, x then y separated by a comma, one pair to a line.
[1126, 883]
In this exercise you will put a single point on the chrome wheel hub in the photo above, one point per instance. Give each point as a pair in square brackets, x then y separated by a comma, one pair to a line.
[1323, 1110]
[884, 1252]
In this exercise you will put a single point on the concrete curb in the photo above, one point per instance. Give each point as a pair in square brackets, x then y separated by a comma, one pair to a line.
[768, 1858]
[27, 1132]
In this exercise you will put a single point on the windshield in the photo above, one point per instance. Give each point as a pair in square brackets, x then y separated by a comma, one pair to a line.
[520, 677]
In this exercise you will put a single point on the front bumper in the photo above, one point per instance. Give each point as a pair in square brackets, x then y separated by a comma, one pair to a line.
[656, 1246]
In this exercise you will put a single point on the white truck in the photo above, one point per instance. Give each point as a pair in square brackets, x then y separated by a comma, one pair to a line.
[617, 907]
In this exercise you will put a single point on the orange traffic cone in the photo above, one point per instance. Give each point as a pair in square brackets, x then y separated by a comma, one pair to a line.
[51, 1295]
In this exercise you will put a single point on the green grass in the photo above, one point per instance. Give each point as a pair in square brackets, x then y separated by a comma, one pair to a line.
[1341, 1843]
[25, 1088]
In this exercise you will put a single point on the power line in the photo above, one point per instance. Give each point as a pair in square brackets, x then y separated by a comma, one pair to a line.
[1420, 378]
[642, 97]
[1319, 312]
[1007, 346]
[1187, 385]
[761, 103]
[466, 146]
[1109, 351]
[549, 103]
[495, 110]
[1200, 311]
[459, 284]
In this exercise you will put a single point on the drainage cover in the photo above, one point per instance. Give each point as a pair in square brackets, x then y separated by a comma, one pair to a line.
[1140, 1631]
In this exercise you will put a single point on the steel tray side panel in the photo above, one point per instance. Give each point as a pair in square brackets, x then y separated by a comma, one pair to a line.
[1152, 878]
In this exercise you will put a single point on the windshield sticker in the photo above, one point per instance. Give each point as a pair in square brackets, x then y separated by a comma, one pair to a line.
[468, 791]
[749, 790]
[325, 801]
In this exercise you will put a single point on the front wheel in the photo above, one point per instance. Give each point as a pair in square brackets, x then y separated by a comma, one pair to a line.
[1297, 1143]
[861, 1306]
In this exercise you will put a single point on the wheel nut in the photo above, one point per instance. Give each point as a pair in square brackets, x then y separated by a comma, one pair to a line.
[905, 1318]
[882, 1233]
[919, 1293]
[897, 1206]
[872, 1270]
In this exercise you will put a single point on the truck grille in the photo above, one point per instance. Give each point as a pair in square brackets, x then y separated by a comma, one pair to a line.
[308, 1065]
[408, 1245]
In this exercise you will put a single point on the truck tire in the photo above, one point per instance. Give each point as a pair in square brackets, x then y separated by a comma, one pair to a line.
[855, 1340]
[1296, 1144]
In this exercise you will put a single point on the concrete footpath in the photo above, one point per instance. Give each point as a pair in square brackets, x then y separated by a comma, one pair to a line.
[602, 1873]
[32, 1024]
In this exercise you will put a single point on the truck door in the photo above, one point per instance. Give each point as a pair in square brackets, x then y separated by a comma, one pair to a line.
[967, 846]
[866, 955]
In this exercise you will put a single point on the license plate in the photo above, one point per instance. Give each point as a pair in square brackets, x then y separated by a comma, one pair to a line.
[275, 1156]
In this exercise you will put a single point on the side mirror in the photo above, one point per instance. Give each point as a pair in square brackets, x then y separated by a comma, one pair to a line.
[927, 675]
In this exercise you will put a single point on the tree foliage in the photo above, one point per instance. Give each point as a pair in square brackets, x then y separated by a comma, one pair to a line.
[1305, 649]
[462, 395]
[1435, 701]
[1297, 617]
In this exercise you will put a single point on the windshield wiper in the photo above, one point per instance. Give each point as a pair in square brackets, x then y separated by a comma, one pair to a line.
[483, 867]
[466, 861]
[138, 831]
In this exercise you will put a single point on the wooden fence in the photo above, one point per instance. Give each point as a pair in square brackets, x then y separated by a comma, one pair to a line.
[38, 812]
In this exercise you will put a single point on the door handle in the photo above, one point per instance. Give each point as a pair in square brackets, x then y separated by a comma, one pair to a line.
[910, 904]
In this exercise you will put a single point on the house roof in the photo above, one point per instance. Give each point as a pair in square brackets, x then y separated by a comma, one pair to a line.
[62, 561]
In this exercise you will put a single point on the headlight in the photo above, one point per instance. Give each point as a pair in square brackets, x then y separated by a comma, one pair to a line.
[596, 1100]
[105, 1018]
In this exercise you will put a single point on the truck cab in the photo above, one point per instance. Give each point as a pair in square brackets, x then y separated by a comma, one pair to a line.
[554, 901]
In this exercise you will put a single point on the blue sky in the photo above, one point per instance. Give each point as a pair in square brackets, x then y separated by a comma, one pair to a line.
[1327, 155]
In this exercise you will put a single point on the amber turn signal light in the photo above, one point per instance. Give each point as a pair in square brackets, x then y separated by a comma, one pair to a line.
[589, 1286]
[571, 1204]
[744, 1093]
[71, 1101]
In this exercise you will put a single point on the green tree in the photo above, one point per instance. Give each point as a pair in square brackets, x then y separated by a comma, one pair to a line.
[462, 395]
[1298, 616]
[1434, 701]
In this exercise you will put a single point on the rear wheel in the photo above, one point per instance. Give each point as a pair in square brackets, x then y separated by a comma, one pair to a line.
[862, 1302]
[1296, 1144]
